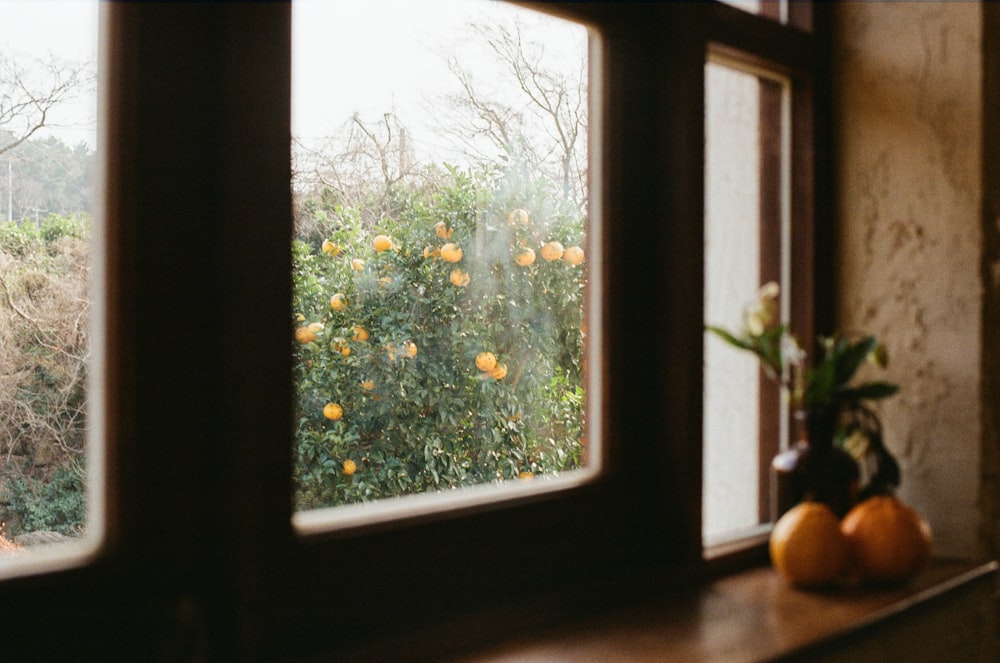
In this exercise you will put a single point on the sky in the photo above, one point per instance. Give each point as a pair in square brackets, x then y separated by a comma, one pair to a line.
[364, 56]
[67, 28]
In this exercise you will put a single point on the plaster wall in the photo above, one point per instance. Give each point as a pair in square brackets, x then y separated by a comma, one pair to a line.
[908, 138]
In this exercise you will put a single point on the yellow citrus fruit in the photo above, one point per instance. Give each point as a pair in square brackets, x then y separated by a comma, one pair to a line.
[451, 253]
[889, 541]
[573, 255]
[299, 317]
[315, 327]
[304, 335]
[330, 248]
[525, 475]
[357, 264]
[807, 547]
[442, 230]
[486, 361]
[368, 385]
[360, 333]
[410, 348]
[338, 302]
[518, 217]
[525, 257]
[382, 243]
[350, 467]
[552, 251]
[385, 281]
[459, 278]
[499, 372]
[333, 411]
[432, 252]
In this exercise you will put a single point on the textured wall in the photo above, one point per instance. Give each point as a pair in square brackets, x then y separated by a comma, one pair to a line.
[908, 140]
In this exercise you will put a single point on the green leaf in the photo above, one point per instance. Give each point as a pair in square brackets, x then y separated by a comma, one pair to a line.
[730, 339]
[870, 391]
[848, 357]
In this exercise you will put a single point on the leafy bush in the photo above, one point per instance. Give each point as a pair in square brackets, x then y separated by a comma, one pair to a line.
[56, 505]
[397, 351]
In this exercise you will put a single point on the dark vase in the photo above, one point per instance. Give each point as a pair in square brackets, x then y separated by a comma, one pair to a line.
[814, 469]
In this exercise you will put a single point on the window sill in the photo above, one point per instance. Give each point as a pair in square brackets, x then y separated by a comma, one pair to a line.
[754, 616]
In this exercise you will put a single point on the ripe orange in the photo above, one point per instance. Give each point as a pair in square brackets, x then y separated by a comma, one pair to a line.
[360, 333]
[432, 252]
[552, 251]
[499, 372]
[451, 253]
[442, 230]
[299, 317]
[350, 467]
[340, 345]
[357, 264]
[385, 282]
[333, 411]
[889, 541]
[525, 257]
[410, 348]
[304, 335]
[525, 475]
[330, 248]
[315, 327]
[368, 385]
[382, 243]
[459, 278]
[486, 361]
[338, 302]
[573, 255]
[518, 217]
[807, 547]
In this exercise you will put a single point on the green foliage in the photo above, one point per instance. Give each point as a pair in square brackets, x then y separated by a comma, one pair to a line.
[57, 505]
[422, 417]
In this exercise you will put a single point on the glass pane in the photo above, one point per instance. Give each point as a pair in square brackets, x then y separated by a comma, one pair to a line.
[47, 158]
[439, 265]
[743, 249]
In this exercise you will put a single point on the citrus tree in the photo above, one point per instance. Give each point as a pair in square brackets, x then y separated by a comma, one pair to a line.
[440, 345]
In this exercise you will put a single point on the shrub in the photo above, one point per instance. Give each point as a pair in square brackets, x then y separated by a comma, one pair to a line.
[417, 413]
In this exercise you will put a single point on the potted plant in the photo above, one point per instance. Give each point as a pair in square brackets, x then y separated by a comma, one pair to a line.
[838, 456]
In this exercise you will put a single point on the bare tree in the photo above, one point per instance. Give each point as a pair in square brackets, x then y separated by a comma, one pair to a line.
[30, 93]
[539, 119]
[363, 165]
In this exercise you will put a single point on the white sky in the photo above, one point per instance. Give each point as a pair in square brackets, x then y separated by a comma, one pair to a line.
[338, 66]
[67, 28]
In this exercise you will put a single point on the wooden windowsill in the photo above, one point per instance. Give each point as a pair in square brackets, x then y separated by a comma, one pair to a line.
[749, 616]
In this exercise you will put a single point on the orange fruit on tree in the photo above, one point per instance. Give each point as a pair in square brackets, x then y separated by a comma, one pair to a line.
[338, 302]
[552, 251]
[381, 243]
[807, 547]
[304, 335]
[299, 317]
[525, 257]
[360, 333]
[333, 411]
[486, 361]
[459, 278]
[357, 264]
[573, 255]
[432, 252]
[350, 467]
[889, 541]
[442, 230]
[410, 349]
[368, 385]
[451, 253]
[518, 217]
[315, 327]
[330, 248]
[499, 372]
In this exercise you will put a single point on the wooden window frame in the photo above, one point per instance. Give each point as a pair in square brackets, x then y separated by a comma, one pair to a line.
[199, 559]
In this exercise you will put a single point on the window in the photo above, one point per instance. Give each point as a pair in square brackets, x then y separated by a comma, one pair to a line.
[759, 228]
[200, 558]
[47, 161]
[439, 254]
